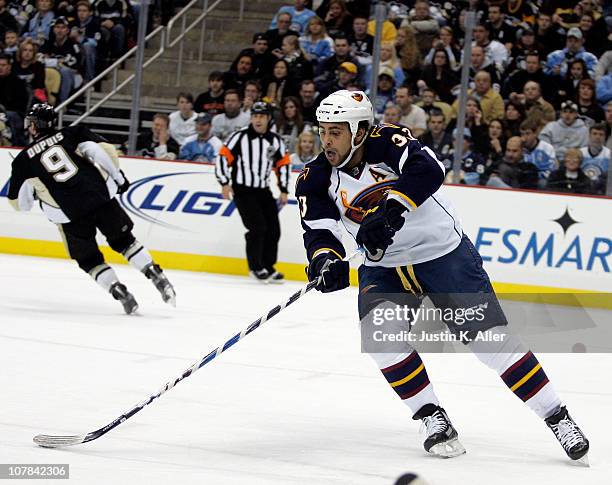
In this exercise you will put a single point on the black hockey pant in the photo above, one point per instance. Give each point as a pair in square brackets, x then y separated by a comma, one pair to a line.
[80, 235]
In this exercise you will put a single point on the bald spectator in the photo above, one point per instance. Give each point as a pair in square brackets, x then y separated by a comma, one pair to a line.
[536, 106]
[558, 61]
[392, 114]
[568, 131]
[533, 71]
[481, 63]
[412, 116]
[513, 171]
[491, 103]
[276, 35]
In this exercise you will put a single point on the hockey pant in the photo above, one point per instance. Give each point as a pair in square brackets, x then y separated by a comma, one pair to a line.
[444, 280]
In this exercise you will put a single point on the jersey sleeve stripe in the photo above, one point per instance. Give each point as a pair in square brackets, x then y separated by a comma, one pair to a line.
[404, 198]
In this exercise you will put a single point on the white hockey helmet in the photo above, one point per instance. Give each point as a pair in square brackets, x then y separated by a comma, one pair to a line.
[350, 107]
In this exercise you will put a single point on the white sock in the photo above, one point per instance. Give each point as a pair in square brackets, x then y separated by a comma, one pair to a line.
[104, 275]
[138, 256]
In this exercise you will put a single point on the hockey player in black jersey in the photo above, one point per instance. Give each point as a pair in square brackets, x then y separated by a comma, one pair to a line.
[386, 189]
[74, 176]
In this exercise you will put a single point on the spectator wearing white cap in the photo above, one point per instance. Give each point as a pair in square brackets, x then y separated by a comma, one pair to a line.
[386, 91]
[557, 61]
[568, 131]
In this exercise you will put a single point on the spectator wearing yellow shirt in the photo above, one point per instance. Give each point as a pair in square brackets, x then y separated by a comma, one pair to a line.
[491, 102]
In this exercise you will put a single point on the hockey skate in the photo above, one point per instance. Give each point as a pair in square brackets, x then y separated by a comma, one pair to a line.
[442, 438]
[570, 436]
[165, 288]
[121, 293]
[260, 275]
[276, 277]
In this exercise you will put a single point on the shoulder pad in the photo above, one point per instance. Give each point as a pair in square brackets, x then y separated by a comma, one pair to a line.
[315, 177]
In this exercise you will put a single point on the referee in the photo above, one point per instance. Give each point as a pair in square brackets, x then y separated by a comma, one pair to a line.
[243, 168]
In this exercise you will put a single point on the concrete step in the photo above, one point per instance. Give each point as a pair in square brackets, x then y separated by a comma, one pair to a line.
[168, 65]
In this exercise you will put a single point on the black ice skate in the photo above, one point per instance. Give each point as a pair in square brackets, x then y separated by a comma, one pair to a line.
[165, 288]
[276, 277]
[442, 438]
[121, 293]
[569, 435]
[260, 275]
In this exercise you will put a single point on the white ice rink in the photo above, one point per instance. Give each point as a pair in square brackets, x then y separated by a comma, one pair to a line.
[294, 403]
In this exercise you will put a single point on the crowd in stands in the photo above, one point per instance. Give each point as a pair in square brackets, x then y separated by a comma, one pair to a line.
[539, 105]
[48, 48]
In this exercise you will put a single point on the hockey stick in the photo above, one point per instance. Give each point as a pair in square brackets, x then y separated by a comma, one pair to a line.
[51, 441]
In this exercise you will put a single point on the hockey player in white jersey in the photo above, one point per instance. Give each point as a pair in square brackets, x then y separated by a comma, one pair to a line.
[386, 189]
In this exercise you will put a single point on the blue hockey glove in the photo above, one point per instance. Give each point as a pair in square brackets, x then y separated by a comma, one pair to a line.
[379, 226]
[334, 272]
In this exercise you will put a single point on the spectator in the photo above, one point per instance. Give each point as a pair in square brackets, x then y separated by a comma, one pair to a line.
[338, 19]
[388, 59]
[491, 102]
[499, 28]
[85, 31]
[481, 63]
[300, 15]
[281, 84]
[158, 143]
[521, 11]
[532, 71]
[304, 151]
[289, 122]
[31, 71]
[592, 42]
[308, 97]
[389, 31]
[412, 116]
[203, 147]
[361, 43]
[386, 91]
[604, 66]
[114, 21]
[548, 35]
[7, 20]
[235, 79]
[538, 152]
[39, 26]
[513, 171]
[604, 88]
[410, 59]
[14, 98]
[275, 36]
[64, 55]
[514, 114]
[252, 94]
[497, 141]
[392, 114]
[535, 105]
[596, 158]
[315, 42]
[570, 178]
[448, 43]
[473, 164]
[495, 51]
[299, 67]
[525, 44]
[588, 108]
[345, 76]
[568, 87]
[557, 62]
[211, 101]
[567, 132]
[440, 77]
[262, 59]
[233, 118]
[11, 42]
[183, 121]
[426, 27]
[327, 68]
[429, 103]
[436, 137]
[609, 125]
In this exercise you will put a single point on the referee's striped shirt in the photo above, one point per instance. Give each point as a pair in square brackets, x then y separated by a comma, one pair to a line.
[247, 158]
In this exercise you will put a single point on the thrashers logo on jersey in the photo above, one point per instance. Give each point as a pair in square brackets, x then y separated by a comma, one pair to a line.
[365, 200]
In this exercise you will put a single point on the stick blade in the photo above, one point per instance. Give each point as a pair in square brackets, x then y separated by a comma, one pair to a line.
[49, 441]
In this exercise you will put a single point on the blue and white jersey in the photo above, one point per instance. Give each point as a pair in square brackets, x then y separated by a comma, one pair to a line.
[201, 151]
[543, 156]
[394, 166]
[595, 166]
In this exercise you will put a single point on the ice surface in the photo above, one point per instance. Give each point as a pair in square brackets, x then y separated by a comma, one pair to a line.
[294, 403]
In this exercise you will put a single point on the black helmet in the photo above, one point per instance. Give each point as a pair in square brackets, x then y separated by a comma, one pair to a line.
[261, 108]
[42, 116]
